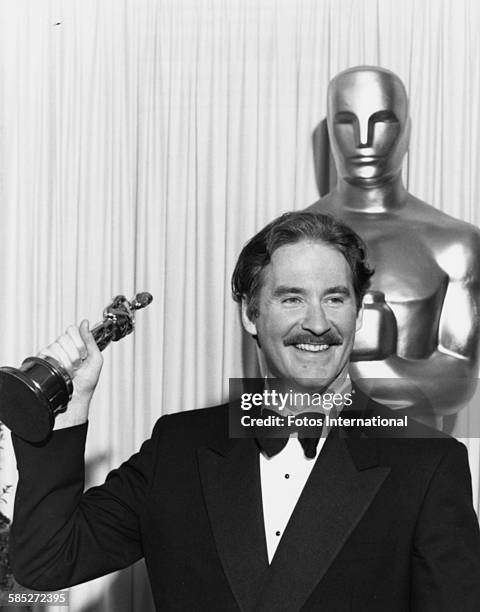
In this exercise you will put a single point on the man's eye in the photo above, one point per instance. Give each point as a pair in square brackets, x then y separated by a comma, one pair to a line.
[291, 300]
[335, 300]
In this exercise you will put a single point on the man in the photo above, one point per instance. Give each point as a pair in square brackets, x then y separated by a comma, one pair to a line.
[427, 264]
[225, 524]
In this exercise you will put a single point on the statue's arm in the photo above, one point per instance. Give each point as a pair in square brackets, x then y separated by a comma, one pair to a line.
[447, 378]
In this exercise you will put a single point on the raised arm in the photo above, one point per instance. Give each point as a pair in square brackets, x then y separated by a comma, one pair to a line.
[61, 536]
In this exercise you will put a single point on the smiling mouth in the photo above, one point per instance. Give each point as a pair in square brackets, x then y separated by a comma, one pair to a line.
[312, 348]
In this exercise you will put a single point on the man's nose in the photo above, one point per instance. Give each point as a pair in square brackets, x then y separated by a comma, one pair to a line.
[315, 320]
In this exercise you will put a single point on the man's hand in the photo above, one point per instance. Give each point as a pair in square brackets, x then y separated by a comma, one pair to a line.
[77, 351]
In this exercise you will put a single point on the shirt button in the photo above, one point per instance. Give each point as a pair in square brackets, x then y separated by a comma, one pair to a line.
[277, 533]
[287, 475]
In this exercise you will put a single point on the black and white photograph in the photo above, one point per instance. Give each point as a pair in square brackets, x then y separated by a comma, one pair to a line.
[240, 323]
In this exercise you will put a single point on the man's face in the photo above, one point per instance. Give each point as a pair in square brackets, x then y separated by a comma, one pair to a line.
[307, 316]
[368, 125]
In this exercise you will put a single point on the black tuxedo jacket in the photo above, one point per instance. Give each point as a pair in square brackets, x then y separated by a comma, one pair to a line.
[383, 524]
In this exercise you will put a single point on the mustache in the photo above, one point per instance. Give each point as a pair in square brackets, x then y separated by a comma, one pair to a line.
[331, 337]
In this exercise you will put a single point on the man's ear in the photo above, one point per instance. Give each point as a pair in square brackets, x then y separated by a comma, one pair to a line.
[359, 321]
[248, 325]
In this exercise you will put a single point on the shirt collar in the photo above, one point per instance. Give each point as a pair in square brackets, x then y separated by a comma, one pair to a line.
[339, 387]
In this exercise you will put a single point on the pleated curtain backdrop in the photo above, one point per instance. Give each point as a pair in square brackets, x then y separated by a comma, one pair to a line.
[143, 142]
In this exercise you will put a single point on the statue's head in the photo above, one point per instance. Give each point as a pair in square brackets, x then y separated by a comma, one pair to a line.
[368, 124]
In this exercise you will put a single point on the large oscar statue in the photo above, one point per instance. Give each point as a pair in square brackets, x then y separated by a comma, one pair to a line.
[427, 263]
[32, 395]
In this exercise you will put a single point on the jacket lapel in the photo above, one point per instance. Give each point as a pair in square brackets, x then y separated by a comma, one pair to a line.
[230, 478]
[341, 486]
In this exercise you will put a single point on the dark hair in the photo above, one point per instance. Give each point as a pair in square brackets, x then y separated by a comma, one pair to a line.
[290, 228]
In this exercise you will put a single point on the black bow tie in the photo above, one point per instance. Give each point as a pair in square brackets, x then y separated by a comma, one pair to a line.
[276, 442]
[272, 446]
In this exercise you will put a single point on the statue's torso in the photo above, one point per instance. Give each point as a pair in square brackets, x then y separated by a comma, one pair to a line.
[407, 249]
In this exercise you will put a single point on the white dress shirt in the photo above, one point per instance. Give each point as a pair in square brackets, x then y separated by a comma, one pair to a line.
[283, 477]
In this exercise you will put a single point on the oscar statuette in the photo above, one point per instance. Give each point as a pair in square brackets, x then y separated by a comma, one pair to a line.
[32, 395]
